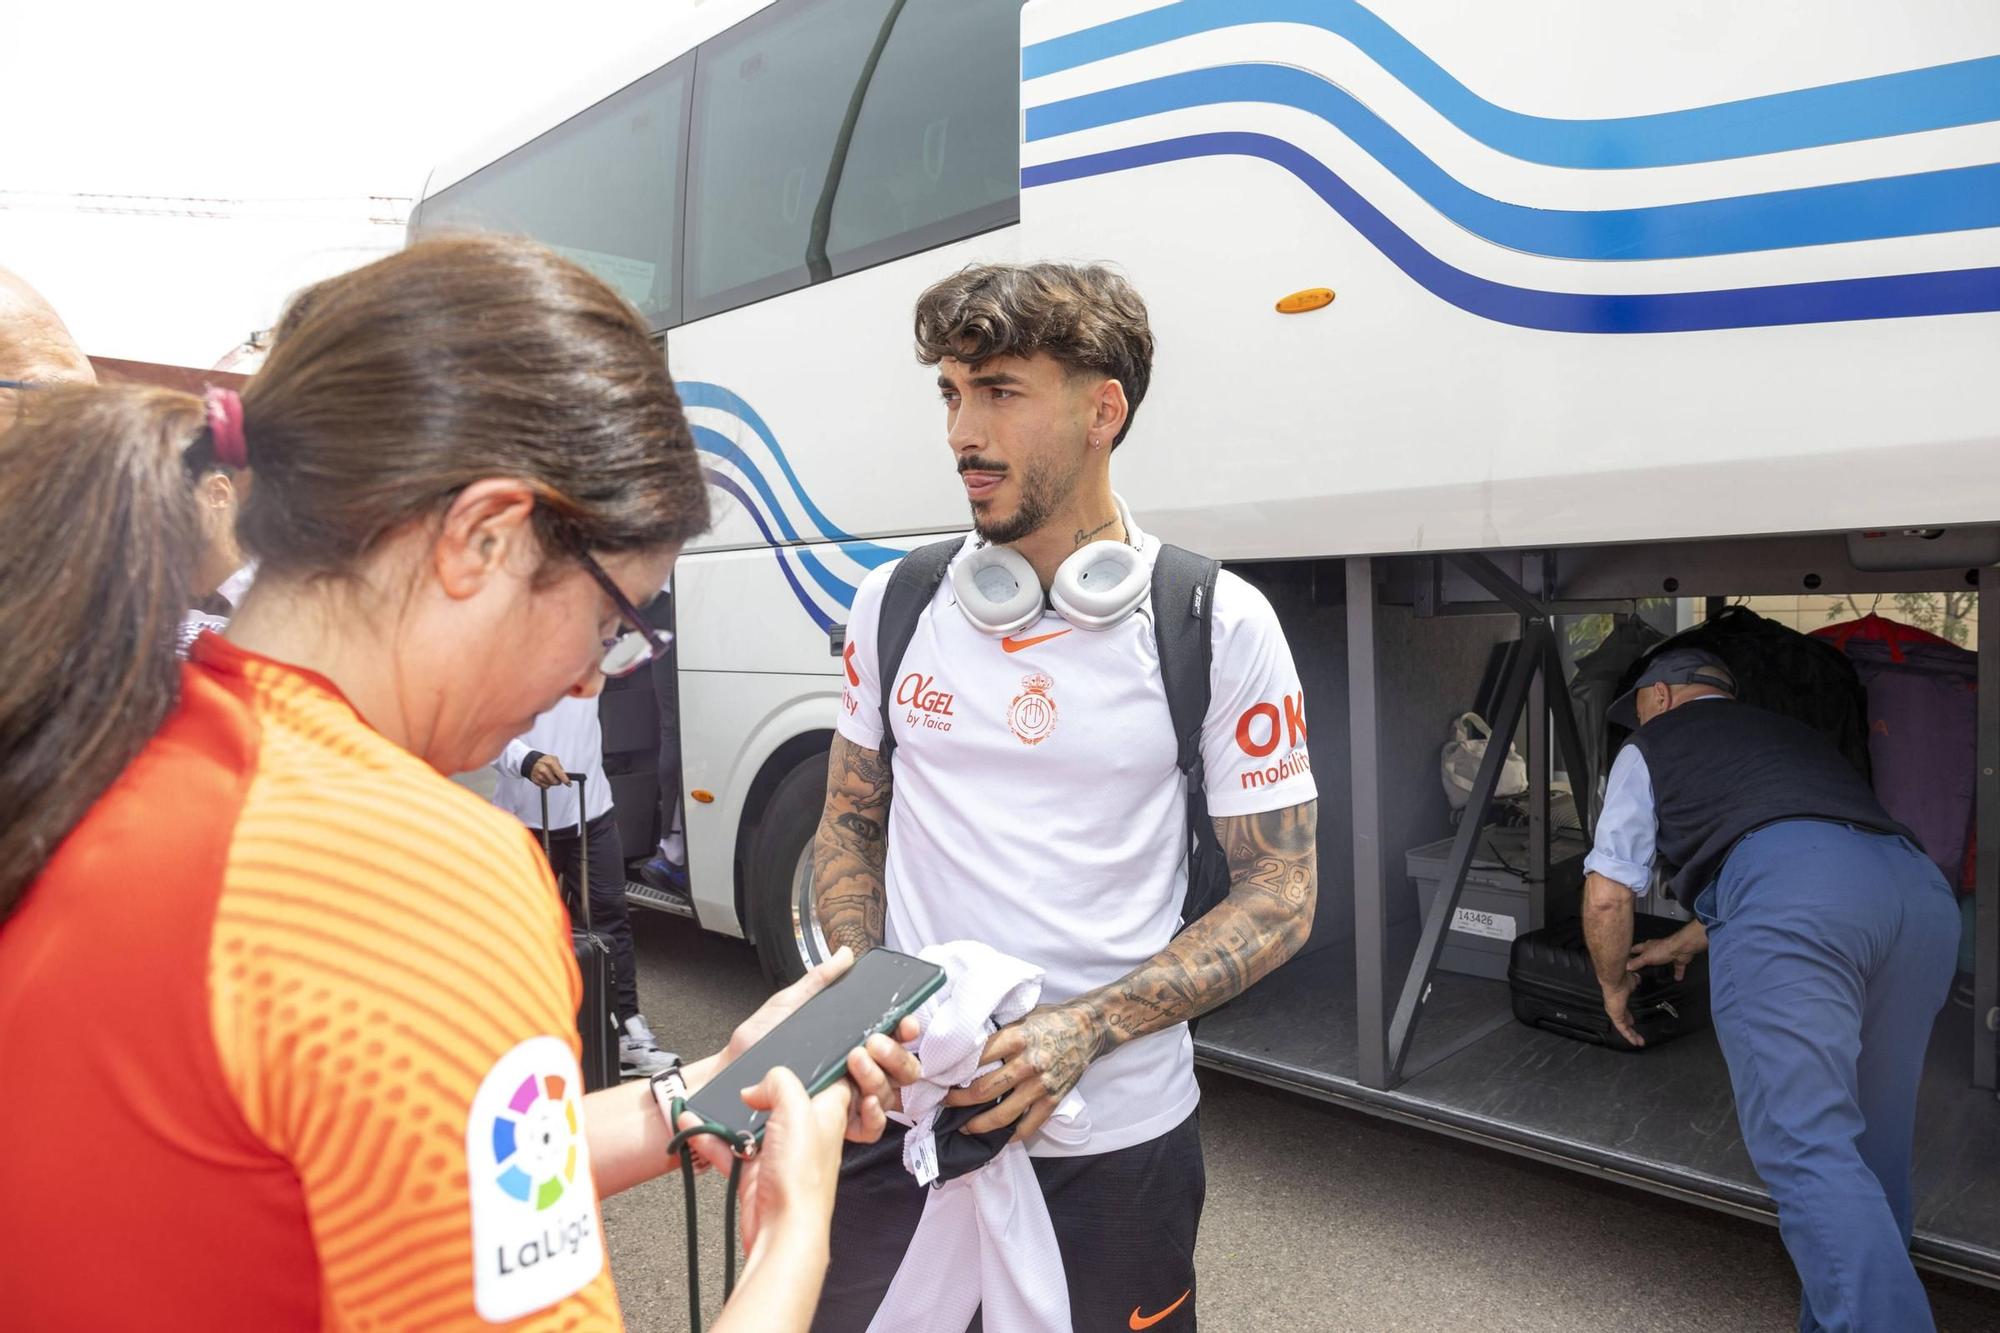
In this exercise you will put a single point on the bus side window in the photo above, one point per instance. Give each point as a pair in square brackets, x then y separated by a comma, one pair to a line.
[601, 188]
[936, 154]
[777, 196]
[769, 99]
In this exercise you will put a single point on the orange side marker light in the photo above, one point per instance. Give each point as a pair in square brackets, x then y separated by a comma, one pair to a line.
[1312, 298]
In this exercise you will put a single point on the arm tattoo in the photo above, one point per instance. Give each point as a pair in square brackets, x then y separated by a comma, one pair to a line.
[1274, 884]
[848, 850]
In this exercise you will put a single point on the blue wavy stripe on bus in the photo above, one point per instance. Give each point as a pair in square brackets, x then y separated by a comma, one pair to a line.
[820, 618]
[1895, 296]
[712, 442]
[1964, 92]
[1912, 205]
[699, 393]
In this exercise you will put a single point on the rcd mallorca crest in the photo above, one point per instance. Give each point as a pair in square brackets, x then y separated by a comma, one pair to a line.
[1032, 715]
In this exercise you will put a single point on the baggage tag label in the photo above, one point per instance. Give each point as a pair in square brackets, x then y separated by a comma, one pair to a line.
[1490, 925]
[924, 1150]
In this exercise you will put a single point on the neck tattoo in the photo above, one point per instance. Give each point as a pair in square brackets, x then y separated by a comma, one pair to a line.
[1082, 536]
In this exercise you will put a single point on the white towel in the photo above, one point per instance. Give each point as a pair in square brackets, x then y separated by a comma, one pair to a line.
[984, 1241]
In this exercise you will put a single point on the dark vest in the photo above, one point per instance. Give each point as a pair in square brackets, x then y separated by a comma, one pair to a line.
[1721, 770]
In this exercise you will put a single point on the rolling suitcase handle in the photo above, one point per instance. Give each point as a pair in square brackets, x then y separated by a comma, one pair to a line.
[582, 854]
[582, 849]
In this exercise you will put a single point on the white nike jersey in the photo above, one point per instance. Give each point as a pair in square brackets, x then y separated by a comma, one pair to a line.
[1038, 808]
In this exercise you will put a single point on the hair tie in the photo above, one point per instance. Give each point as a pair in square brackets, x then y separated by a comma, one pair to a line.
[225, 428]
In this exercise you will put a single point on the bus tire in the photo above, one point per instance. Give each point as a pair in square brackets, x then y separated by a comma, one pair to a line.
[780, 864]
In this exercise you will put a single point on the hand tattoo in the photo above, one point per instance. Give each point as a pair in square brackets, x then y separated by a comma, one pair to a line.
[848, 851]
[1060, 1044]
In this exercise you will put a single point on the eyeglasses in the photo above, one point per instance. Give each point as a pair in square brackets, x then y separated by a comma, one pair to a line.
[635, 645]
[22, 384]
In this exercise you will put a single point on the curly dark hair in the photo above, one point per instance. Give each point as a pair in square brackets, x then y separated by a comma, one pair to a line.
[1084, 316]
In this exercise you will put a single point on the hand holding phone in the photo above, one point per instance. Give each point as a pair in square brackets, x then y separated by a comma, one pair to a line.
[792, 1179]
[814, 1042]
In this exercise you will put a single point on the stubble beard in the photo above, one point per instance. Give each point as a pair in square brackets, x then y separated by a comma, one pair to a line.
[1045, 490]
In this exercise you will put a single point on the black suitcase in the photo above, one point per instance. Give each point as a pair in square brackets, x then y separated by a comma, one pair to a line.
[1555, 987]
[594, 1025]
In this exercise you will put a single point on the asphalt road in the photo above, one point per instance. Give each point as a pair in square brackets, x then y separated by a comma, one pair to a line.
[1318, 1218]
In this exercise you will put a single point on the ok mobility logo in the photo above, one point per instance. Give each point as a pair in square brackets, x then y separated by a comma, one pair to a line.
[822, 563]
[1260, 730]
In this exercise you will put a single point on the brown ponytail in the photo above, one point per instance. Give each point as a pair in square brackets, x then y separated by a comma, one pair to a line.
[99, 536]
[388, 391]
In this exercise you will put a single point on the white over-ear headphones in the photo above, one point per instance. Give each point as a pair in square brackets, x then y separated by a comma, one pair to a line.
[1095, 588]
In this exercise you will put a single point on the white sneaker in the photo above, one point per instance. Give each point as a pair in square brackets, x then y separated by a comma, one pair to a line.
[639, 1055]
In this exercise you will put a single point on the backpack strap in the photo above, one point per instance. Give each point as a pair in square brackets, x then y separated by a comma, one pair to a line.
[1183, 599]
[912, 584]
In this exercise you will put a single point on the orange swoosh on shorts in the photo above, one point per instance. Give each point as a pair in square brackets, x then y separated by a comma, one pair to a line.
[1016, 645]
[1139, 1321]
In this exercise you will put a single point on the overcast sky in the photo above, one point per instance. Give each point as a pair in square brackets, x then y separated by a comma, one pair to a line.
[295, 113]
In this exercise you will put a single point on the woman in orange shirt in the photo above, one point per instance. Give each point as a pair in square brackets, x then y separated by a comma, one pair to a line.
[286, 1017]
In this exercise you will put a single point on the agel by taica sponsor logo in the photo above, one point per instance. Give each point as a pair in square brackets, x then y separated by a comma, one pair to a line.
[924, 703]
[535, 1236]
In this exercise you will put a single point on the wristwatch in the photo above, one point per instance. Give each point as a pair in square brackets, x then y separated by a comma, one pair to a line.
[669, 1086]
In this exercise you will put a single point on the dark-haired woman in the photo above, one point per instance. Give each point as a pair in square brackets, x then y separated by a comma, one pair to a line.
[331, 1079]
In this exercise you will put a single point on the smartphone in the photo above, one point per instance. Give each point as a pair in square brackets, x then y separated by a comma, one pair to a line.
[877, 993]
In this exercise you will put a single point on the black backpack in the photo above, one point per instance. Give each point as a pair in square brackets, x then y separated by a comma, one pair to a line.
[1180, 579]
[1784, 671]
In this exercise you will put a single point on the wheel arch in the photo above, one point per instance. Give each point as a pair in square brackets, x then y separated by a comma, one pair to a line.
[789, 753]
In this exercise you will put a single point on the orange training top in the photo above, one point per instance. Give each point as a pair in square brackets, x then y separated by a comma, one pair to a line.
[287, 1035]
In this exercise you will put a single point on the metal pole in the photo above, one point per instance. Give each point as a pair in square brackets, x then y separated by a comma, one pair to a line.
[1371, 926]
[1513, 696]
[1538, 797]
[1986, 907]
[1569, 743]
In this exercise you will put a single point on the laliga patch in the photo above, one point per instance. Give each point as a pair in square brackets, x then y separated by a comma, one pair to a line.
[535, 1231]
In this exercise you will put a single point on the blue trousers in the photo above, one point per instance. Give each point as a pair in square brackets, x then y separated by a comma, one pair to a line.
[1830, 953]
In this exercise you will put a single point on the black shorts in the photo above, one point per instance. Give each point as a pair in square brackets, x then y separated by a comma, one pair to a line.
[1125, 1223]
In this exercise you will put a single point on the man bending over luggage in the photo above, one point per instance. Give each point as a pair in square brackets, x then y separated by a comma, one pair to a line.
[1831, 938]
[1037, 806]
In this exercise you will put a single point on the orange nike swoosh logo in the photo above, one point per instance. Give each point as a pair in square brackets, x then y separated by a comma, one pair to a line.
[1147, 1321]
[1016, 645]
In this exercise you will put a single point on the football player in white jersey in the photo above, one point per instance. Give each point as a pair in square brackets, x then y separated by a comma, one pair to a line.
[1034, 803]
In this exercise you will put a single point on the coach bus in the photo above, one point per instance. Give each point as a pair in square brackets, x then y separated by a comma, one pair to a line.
[1598, 311]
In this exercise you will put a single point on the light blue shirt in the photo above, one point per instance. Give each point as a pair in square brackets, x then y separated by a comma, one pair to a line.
[1628, 828]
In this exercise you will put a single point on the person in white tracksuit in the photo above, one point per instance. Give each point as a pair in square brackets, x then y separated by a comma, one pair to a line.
[564, 743]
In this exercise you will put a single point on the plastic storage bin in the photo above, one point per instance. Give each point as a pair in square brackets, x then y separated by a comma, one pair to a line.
[1493, 909]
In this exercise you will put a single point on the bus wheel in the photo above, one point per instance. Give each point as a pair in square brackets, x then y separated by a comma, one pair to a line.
[789, 939]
